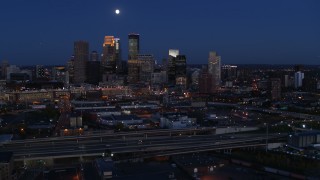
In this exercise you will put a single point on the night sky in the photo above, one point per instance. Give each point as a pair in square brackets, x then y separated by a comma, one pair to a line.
[241, 31]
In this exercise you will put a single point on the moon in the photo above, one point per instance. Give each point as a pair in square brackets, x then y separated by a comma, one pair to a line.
[117, 11]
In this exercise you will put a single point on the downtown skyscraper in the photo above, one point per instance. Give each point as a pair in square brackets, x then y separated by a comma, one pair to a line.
[134, 46]
[111, 58]
[171, 69]
[133, 62]
[81, 56]
[214, 69]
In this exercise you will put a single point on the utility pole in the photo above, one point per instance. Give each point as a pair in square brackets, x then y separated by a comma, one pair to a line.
[267, 132]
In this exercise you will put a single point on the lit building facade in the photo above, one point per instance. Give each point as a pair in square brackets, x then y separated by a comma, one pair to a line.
[228, 72]
[40, 71]
[70, 70]
[59, 73]
[214, 68]
[146, 63]
[133, 71]
[181, 71]
[108, 58]
[134, 46]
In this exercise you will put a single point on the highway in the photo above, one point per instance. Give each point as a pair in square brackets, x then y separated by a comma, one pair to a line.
[157, 142]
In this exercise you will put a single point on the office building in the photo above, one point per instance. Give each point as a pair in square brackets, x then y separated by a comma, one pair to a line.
[146, 63]
[140, 70]
[70, 70]
[195, 78]
[4, 66]
[134, 46]
[59, 73]
[94, 56]
[228, 72]
[181, 71]
[214, 68]
[108, 59]
[81, 56]
[298, 79]
[275, 88]
[171, 67]
[205, 81]
[118, 58]
[158, 77]
[133, 71]
[40, 72]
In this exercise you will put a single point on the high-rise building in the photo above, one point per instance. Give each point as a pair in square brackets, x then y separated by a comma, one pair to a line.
[108, 54]
[171, 68]
[134, 46]
[228, 72]
[286, 80]
[181, 71]
[81, 56]
[146, 63]
[133, 70]
[40, 72]
[298, 79]
[275, 88]
[70, 70]
[111, 55]
[94, 56]
[118, 57]
[195, 78]
[59, 73]
[158, 77]
[4, 66]
[205, 81]
[214, 68]
[140, 70]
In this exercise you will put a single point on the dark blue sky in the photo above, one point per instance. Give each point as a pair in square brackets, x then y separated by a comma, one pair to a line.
[241, 31]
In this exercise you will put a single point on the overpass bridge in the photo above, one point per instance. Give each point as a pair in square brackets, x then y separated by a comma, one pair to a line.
[134, 145]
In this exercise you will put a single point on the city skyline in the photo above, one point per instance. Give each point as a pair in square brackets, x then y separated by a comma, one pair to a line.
[248, 32]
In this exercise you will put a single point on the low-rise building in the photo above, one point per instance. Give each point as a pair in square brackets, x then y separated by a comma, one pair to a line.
[304, 139]
[176, 121]
[126, 120]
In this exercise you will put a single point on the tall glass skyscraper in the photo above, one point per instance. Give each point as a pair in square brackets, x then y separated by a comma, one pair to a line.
[108, 52]
[111, 54]
[134, 46]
